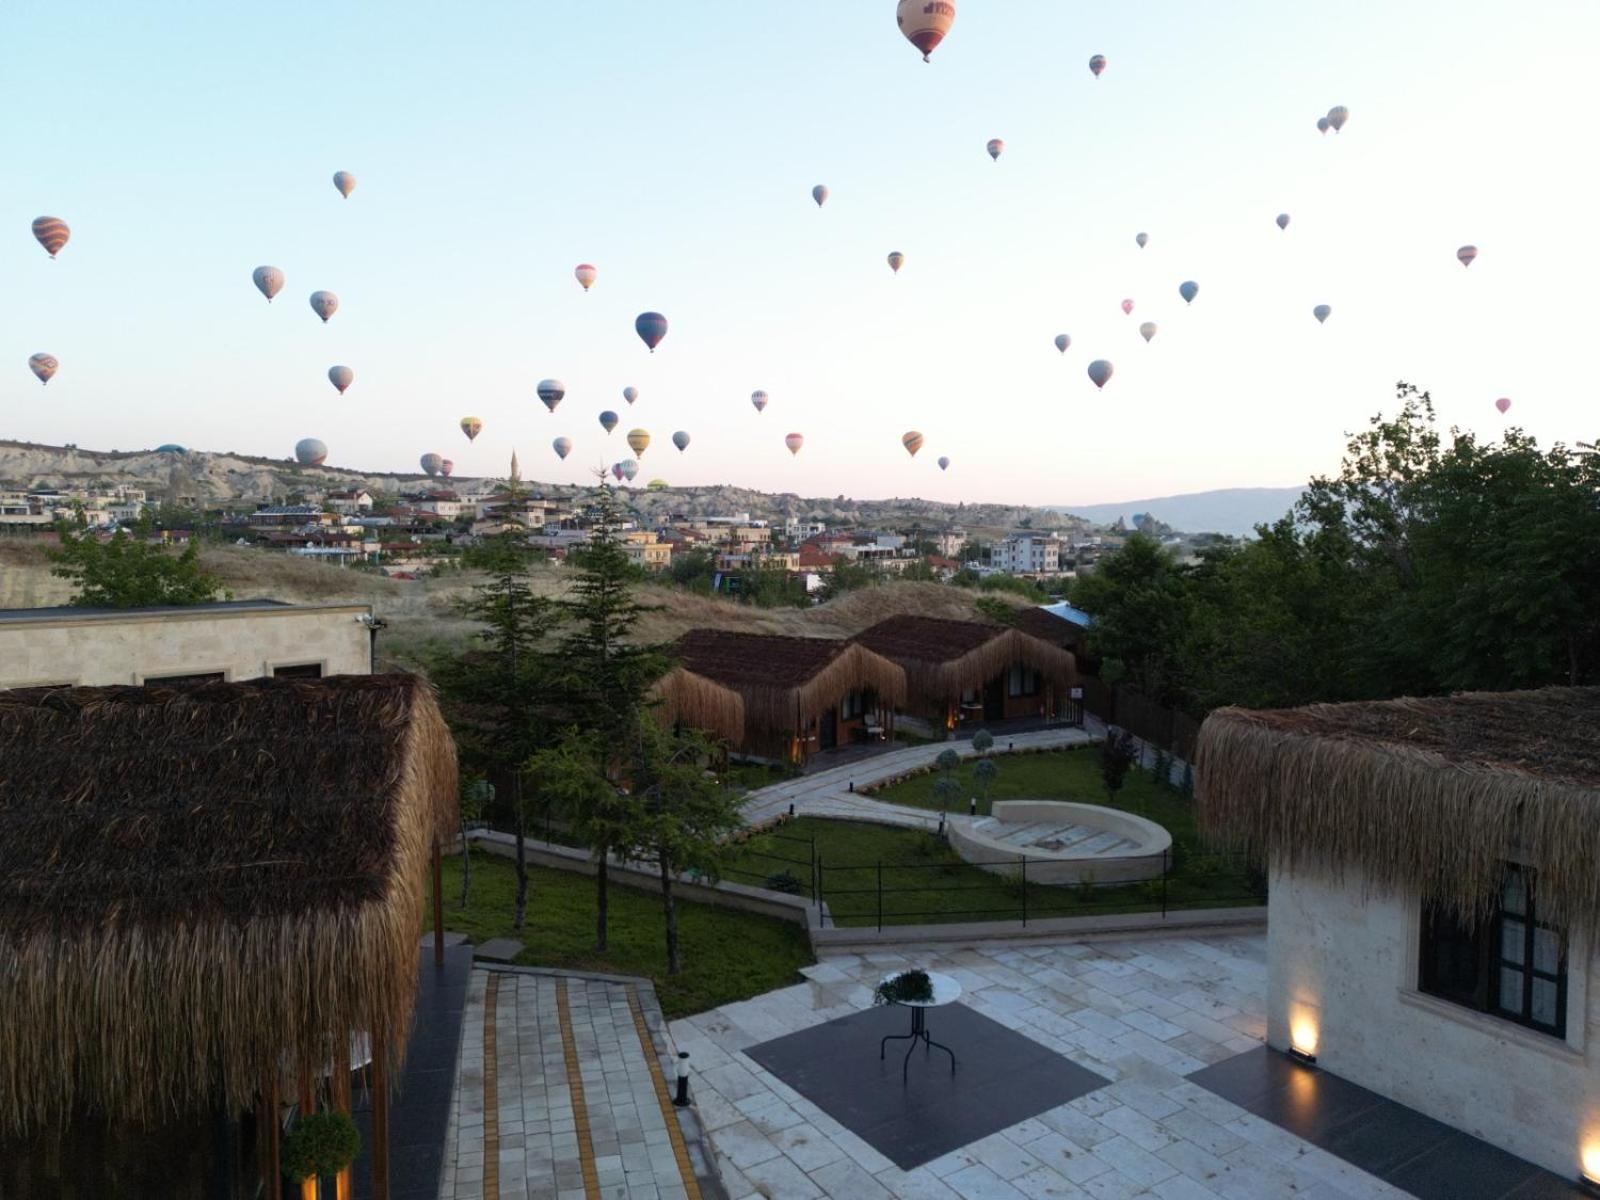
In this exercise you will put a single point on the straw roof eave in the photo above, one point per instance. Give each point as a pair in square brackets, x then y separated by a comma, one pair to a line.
[933, 671]
[1422, 818]
[683, 697]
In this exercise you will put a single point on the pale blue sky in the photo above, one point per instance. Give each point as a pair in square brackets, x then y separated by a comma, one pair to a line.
[675, 146]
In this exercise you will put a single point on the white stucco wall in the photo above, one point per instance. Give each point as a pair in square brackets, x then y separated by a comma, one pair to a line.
[246, 643]
[1343, 964]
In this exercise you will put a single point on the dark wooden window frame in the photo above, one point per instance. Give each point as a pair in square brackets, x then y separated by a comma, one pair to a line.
[1029, 685]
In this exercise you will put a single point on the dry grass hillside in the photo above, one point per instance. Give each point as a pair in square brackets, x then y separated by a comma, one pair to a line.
[423, 617]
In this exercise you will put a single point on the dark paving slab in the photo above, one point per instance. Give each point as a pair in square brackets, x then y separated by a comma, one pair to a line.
[419, 1106]
[499, 950]
[1001, 1078]
[1402, 1147]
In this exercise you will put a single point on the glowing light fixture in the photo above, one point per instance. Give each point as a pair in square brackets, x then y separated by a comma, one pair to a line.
[1303, 1042]
[1589, 1176]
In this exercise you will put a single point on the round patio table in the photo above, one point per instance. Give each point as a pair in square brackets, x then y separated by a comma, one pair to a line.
[945, 991]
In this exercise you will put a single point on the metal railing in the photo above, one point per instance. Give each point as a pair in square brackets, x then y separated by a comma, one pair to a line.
[805, 878]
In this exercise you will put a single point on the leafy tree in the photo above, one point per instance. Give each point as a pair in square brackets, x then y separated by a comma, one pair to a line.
[131, 572]
[984, 771]
[947, 790]
[773, 588]
[983, 741]
[694, 569]
[846, 576]
[1139, 600]
[1117, 753]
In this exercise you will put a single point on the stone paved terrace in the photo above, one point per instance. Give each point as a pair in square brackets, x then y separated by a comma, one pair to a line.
[1143, 1013]
[562, 1094]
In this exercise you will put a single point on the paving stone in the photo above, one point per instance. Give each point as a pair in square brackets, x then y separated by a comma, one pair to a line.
[499, 950]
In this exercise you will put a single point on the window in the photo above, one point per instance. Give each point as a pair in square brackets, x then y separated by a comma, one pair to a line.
[1508, 965]
[852, 706]
[206, 677]
[1022, 681]
[298, 671]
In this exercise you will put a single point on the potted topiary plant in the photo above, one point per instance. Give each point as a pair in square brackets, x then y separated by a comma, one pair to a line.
[320, 1145]
[906, 986]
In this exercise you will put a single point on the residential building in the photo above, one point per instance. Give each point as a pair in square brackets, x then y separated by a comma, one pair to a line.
[226, 640]
[1027, 554]
[442, 503]
[350, 504]
[645, 551]
[799, 529]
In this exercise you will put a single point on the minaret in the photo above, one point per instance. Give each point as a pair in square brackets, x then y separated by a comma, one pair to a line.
[516, 475]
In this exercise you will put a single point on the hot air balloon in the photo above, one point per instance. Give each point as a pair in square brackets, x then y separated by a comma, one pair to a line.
[629, 469]
[912, 441]
[1466, 254]
[52, 233]
[1062, 342]
[341, 377]
[562, 447]
[1503, 404]
[925, 22]
[997, 147]
[680, 440]
[586, 275]
[309, 452]
[895, 261]
[1283, 220]
[268, 281]
[794, 441]
[1188, 289]
[1322, 125]
[551, 391]
[431, 463]
[944, 463]
[1143, 239]
[630, 394]
[652, 327]
[759, 399]
[820, 195]
[1127, 307]
[43, 366]
[1337, 116]
[1147, 330]
[616, 471]
[1321, 312]
[638, 441]
[1100, 372]
[345, 182]
[446, 467]
[472, 427]
[324, 304]
[608, 420]
[1097, 64]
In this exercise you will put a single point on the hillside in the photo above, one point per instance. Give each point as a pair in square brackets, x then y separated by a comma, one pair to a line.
[213, 479]
[1234, 511]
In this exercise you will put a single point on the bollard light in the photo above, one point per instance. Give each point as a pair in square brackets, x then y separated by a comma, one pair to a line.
[681, 1100]
[791, 808]
[852, 785]
[972, 806]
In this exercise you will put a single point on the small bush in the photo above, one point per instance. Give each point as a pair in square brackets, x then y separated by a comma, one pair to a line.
[786, 882]
[321, 1144]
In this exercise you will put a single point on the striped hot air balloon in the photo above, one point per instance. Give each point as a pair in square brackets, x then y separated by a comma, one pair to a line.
[1322, 312]
[1097, 64]
[896, 261]
[925, 22]
[1100, 372]
[52, 233]
[794, 441]
[944, 463]
[562, 446]
[446, 467]
[310, 452]
[268, 281]
[324, 304]
[651, 328]
[1147, 330]
[630, 468]
[345, 182]
[680, 440]
[341, 377]
[630, 394]
[586, 275]
[430, 463]
[43, 366]
[759, 399]
[638, 441]
[997, 147]
[820, 194]
[1466, 254]
[551, 391]
[608, 420]
[1063, 341]
[912, 441]
[472, 427]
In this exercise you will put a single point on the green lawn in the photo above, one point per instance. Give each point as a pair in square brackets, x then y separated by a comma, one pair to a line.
[727, 955]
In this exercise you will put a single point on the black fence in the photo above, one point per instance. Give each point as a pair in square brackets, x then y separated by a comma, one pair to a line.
[790, 867]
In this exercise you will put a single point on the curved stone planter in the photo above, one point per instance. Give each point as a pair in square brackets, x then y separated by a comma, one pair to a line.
[1102, 844]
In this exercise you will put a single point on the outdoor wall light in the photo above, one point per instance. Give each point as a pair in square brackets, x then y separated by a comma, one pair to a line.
[681, 1100]
[1589, 1169]
[1303, 1042]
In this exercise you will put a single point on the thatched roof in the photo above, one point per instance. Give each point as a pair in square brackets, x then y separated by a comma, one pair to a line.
[788, 681]
[944, 658]
[682, 697]
[1432, 796]
[199, 883]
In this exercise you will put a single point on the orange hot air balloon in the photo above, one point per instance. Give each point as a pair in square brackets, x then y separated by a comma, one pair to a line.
[586, 275]
[896, 261]
[794, 441]
[912, 441]
[925, 22]
[52, 233]
[472, 427]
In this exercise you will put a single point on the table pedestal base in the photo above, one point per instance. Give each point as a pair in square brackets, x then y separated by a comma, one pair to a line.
[919, 1033]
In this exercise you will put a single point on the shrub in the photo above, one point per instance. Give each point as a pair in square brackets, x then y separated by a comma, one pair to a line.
[786, 882]
[983, 741]
[908, 985]
[321, 1144]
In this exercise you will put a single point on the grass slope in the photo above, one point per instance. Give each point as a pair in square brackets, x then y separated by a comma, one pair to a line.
[727, 955]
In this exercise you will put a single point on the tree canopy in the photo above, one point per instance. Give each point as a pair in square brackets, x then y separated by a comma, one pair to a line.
[131, 571]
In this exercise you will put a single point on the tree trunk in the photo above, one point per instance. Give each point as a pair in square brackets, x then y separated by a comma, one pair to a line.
[670, 906]
[601, 880]
[522, 852]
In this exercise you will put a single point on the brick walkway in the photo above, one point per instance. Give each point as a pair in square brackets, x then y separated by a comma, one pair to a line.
[561, 1093]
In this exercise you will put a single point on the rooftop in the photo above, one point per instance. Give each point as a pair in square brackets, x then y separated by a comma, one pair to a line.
[67, 612]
